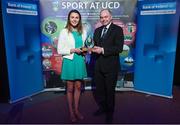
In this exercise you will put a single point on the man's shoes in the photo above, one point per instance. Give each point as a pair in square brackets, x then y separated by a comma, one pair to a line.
[99, 112]
[109, 118]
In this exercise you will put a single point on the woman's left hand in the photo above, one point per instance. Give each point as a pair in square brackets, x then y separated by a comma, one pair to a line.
[78, 51]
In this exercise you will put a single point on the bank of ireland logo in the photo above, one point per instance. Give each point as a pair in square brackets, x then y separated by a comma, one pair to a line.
[55, 5]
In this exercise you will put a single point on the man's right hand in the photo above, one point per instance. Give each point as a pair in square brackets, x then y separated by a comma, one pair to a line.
[97, 49]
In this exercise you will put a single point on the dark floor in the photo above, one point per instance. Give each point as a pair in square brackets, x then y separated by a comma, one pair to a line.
[131, 107]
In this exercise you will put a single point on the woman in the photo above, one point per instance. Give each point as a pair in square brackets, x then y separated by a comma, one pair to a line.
[71, 39]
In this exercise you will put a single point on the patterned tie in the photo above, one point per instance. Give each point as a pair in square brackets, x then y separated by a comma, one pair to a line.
[104, 32]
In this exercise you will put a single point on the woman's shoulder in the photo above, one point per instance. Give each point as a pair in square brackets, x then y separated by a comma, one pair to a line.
[64, 30]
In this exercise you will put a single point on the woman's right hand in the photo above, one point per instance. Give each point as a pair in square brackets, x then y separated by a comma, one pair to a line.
[75, 50]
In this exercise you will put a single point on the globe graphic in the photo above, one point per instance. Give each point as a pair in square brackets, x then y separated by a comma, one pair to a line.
[50, 27]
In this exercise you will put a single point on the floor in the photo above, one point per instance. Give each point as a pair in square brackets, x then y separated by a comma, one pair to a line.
[131, 107]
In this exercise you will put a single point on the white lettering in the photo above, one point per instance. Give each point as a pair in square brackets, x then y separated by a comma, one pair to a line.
[68, 5]
[116, 5]
[91, 5]
[97, 5]
[74, 5]
[63, 5]
[11, 5]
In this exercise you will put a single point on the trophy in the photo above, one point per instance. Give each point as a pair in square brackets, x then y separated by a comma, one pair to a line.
[88, 44]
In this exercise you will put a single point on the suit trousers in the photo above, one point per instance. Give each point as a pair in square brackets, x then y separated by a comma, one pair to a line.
[105, 90]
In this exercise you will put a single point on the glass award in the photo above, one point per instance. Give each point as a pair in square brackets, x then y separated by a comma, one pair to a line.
[88, 44]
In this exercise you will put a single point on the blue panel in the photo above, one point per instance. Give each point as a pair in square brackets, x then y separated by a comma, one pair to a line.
[156, 46]
[22, 42]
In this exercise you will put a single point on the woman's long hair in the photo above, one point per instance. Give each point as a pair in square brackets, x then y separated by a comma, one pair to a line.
[79, 26]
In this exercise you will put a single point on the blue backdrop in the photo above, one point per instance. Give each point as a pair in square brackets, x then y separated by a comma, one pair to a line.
[156, 41]
[22, 43]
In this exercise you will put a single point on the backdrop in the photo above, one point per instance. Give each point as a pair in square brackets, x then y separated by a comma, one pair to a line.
[53, 17]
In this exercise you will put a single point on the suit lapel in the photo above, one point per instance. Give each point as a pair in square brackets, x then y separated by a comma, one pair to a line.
[100, 33]
[109, 30]
[102, 41]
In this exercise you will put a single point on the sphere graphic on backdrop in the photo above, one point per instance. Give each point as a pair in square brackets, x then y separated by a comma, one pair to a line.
[46, 64]
[46, 51]
[129, 33]
[50, 27]
[125, 51]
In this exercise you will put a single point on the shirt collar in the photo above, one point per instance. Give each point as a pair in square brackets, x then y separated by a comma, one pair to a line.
[108, 25]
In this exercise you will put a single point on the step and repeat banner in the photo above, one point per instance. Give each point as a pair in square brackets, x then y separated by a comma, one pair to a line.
[53, 17]
[23, 49]
[156, 42]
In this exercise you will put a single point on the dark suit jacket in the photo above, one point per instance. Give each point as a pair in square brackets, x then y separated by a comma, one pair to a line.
[113, 45]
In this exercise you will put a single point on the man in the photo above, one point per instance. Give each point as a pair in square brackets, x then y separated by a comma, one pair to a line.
[109, 41]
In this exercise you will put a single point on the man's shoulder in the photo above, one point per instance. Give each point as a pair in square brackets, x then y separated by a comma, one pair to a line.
[116, 26]
[98, 28]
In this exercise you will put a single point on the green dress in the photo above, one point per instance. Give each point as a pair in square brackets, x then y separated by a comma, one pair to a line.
[74, 69]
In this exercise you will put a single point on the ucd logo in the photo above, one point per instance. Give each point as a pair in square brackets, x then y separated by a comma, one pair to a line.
[55, 5]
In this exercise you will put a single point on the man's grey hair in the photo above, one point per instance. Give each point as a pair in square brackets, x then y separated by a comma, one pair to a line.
[106, 10]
